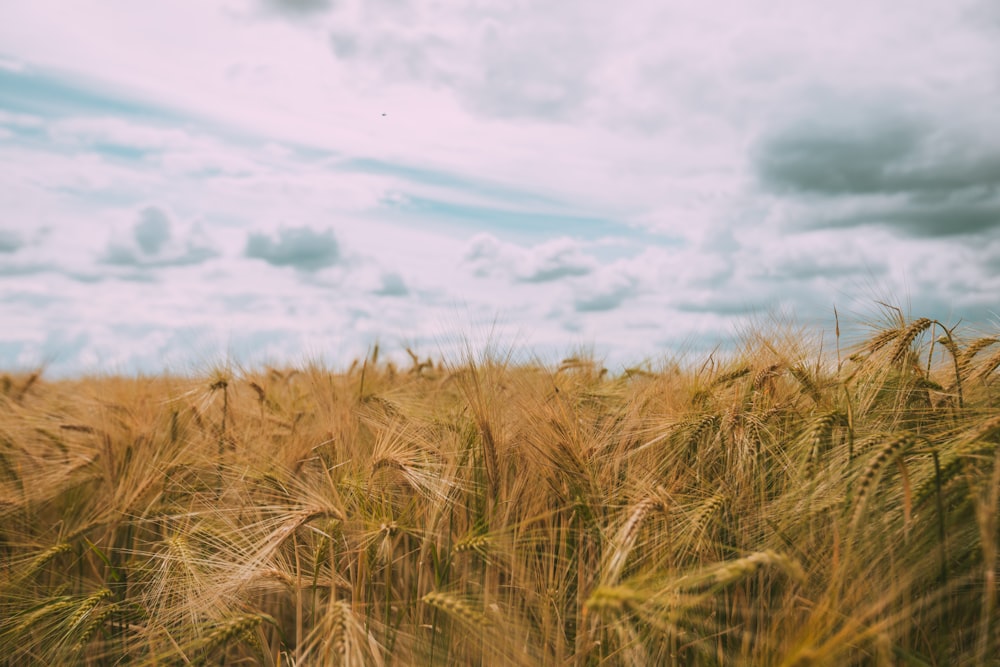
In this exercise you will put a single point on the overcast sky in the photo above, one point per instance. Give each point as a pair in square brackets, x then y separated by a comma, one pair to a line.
[283, 180]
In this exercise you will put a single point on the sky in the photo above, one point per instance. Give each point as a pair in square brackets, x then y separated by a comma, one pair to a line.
[276, 182]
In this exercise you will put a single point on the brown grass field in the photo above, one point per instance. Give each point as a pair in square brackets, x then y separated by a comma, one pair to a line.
[779, 505]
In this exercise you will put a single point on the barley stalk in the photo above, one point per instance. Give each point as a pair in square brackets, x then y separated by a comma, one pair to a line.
[731, 376]
[94, 623]
[625, 539]
[456, 608]
[558, 478]
[87, 605]
[866, 483]
[882, 339]
[612, 599]
[224, 633]
[42, 559]
[737, 570]
[764, 376]
[987, 367]
[906, 338]
[478, 543]
[821, 431]
[975, 347]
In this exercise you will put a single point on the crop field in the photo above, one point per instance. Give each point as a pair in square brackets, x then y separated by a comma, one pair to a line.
[786, 503]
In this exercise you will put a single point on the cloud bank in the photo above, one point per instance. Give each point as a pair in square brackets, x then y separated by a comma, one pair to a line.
[628, 181]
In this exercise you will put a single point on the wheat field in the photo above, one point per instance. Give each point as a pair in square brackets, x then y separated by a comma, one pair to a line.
[789, 503]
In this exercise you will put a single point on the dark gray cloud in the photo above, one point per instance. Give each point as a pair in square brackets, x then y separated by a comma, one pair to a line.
[815, 158]
[299, 7]
[299, 247]
[892, 169]
[890, 156]
[10, 241]
[926, 220]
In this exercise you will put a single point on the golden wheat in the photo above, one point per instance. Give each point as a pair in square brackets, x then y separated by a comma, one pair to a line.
[768, 506]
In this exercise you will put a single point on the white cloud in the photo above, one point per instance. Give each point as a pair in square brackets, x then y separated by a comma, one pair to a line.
[553, 260]
[152, 243]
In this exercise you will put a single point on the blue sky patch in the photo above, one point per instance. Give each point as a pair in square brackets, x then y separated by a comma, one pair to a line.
[52, 95]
